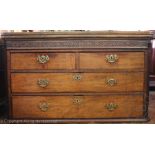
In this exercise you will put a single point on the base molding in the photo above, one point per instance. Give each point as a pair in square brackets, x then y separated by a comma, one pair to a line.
[72, 121]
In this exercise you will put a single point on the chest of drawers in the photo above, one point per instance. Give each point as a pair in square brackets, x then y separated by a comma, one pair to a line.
[78, 77]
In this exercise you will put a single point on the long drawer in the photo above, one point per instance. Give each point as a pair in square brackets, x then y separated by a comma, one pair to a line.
[109, 106]
[77, 82]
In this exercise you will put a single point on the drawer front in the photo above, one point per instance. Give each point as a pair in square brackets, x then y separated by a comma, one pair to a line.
[109, 106]
[115, 60]
[42, 61]
[76, 82]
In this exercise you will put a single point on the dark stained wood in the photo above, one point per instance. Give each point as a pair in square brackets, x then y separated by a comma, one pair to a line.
[90, 50]
[78, 40]
[89, 106]
[152, 68]
[2, 85]
[90, 82]
[77, 44]
[126, 60]
[2, 72]
[29, 61]
[74, 121]
[1, 59]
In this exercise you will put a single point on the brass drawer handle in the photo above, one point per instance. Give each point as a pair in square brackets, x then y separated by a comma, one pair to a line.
[77, 100]
[42, 59]
[43, 83]
[77, 77]
[111, 106]
[111, 82]
[112, 58]
[43, 106]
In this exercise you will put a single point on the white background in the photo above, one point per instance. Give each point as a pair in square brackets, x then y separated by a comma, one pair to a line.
[77, 139]
[77, 15]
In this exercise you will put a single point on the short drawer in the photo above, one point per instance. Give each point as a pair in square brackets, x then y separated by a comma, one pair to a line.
[42, 61]
[77, 82]
[112, 60]
[108, 106]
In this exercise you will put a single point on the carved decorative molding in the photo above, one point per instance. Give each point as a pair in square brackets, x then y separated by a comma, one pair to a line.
[63, 44]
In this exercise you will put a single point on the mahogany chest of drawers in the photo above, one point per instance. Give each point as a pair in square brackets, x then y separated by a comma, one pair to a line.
[78, 77]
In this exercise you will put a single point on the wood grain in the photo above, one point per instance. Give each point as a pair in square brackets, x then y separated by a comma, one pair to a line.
[90, 106]
[29, 61]
[64, 82]
[126, 60]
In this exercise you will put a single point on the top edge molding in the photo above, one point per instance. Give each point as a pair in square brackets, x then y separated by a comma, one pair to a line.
[68, 34]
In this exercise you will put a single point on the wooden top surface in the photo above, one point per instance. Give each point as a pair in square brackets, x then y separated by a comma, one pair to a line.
[65, 34]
